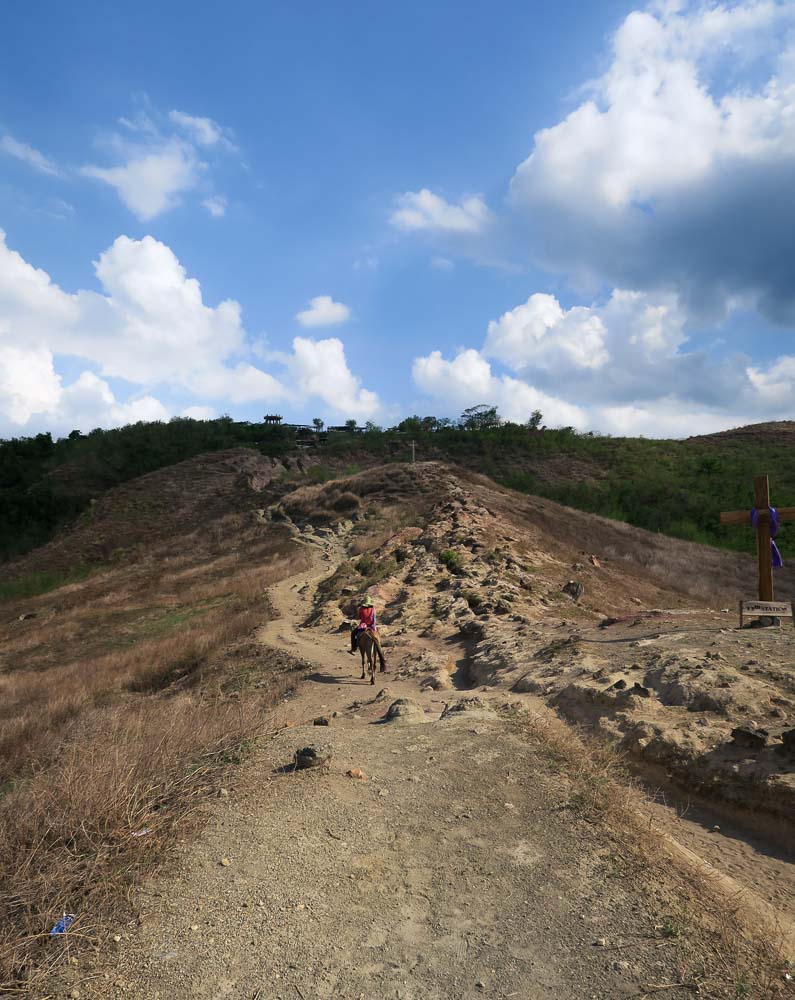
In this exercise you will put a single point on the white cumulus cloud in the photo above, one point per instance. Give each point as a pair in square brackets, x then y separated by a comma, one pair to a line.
[318, 368]
[151, 180]
[622, 366]
[203, 131]
[468, 380]
[542, 334]
[677, 171]
[148, 329]
[323, 311]
[424, 210]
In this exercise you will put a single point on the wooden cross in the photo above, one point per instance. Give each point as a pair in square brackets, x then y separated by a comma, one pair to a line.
[763, 549]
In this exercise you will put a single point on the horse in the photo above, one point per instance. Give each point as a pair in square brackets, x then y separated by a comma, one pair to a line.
[367, 647]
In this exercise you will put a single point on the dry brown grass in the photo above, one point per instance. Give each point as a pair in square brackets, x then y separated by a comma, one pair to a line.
[391, 521]
[634, 560]
[702, 571]
[380, 487]
[118, 710]
[729, 949]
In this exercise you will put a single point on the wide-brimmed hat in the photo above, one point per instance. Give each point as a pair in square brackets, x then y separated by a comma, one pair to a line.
[367, 603]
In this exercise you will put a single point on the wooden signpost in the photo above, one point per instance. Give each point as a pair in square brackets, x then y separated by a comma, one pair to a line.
[764, 550]
[770, 609]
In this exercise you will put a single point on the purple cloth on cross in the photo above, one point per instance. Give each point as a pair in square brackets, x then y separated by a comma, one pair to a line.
[777, 561]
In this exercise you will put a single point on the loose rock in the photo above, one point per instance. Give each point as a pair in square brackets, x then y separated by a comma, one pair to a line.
[406, 710]
[310, 757]
[748, 738]
[574, 589]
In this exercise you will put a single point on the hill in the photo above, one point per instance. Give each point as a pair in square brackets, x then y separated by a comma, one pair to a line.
[130, 520]
[130, 695]
[674, 487]
[776, 431]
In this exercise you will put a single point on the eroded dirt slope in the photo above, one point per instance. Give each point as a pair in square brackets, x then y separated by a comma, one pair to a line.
[571, 608]
[464, 864]
[456, 864]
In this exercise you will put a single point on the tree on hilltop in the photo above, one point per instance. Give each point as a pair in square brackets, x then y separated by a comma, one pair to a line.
[535, 420]
[480, 417]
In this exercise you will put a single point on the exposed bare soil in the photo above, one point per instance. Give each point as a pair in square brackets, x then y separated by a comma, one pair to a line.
[489, 849]
[693, 699]
[469, 859]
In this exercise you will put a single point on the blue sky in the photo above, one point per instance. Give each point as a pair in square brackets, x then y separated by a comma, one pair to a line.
[582, 208]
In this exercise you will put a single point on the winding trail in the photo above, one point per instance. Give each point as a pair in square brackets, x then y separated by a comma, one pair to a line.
[450, 871]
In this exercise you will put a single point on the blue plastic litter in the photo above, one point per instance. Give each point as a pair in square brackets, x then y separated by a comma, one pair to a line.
[63, 924]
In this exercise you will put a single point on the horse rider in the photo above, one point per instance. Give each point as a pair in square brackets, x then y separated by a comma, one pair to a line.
[367, 623]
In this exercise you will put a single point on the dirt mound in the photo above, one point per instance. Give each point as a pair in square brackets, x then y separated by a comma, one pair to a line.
[405, 710]
[329, 502]
[468, 579]
[467, 708]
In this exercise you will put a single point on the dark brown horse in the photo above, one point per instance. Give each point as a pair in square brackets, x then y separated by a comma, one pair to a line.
[369, 646]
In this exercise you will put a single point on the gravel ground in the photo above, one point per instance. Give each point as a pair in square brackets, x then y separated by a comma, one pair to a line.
[451, 869]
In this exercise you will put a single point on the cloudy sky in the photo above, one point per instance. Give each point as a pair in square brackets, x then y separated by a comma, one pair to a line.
[369, 210]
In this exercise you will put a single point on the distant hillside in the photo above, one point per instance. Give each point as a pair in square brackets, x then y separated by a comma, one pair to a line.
[778, 431]
[132, 519]
[674, 487]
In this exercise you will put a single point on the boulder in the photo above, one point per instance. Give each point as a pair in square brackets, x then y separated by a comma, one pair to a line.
[439, 680]
[573, 588]
[310, 757]
[471, 628]
[528, 684]
[763, 621]
[748, 738]
[467, 708]
[405, 710]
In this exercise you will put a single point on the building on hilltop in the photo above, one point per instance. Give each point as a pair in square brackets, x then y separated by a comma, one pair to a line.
[349, 428]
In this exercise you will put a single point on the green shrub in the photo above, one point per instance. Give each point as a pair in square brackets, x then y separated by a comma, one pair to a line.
[366, 564]
[320, 474]
[42, 582]
[451, 559]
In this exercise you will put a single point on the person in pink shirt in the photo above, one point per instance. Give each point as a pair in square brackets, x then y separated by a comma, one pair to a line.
[367, 623]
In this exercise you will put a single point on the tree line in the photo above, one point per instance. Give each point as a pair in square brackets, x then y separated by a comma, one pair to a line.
[676, 487]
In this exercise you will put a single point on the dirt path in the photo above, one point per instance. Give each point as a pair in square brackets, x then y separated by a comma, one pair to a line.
[451, 871]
